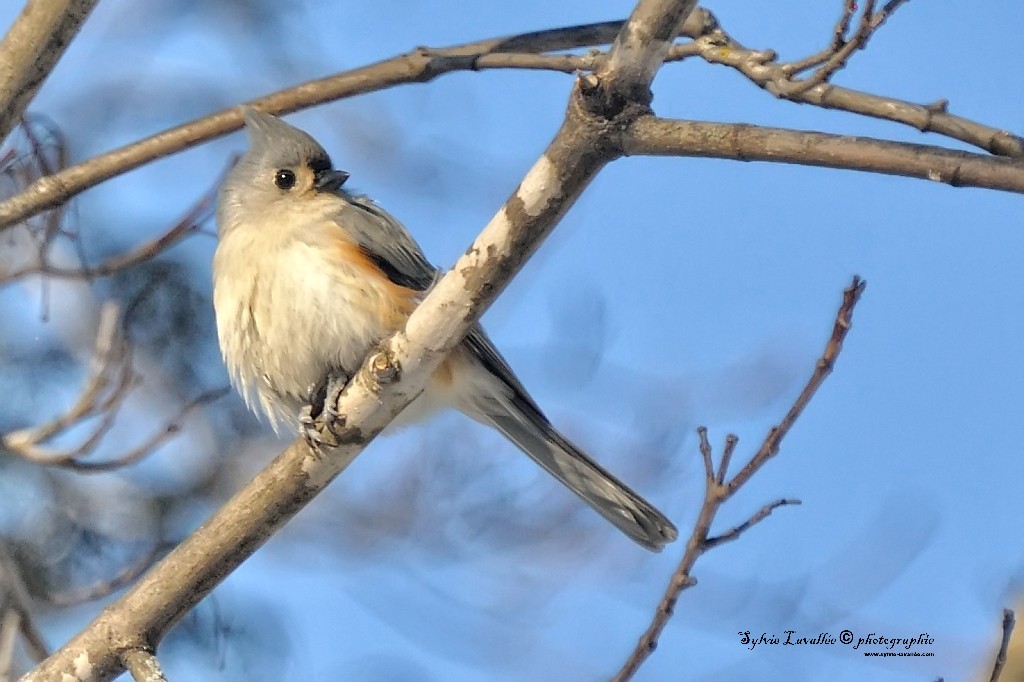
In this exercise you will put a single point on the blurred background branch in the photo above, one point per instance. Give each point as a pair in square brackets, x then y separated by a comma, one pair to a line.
[30, 50]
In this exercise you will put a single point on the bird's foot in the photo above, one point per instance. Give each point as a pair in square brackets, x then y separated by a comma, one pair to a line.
[320, 421]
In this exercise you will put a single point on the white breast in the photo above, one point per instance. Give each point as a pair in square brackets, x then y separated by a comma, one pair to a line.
[287, 314]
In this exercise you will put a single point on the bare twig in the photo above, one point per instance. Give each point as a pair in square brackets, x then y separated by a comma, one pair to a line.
[30, 50]
[762, 69]
[717, 491]
[104, 588]
[39, 151]
[569, 63]
[72, 460]
[730, 447]
[109, 383]
[838, 40]
[759, 516]
[1009, 621]
[190, 224]
[41, 148]
[143, 666]
[664, 137]
[110, 378]
[418, 66]
[770, 447]
[842, 50]
[424, 64]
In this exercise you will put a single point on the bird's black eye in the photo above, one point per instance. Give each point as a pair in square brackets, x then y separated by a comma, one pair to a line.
[285, 179]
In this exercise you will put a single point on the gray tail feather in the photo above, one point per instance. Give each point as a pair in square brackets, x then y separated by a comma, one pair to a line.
[533, 433]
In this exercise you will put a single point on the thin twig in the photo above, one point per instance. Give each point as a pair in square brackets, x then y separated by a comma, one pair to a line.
[568, 63]
[838, 40]
[763, 70]
[730, 447]
[36, 155]
[761, 514]
[417, 66]
[716, 492]
[770, 447]
[1009, 620]
[870, 21]
[143, 666]
[100, 589]
[190, 224]
[110, 378]
[161, 435]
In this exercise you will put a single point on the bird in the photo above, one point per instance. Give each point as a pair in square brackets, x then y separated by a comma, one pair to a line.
[309, 276]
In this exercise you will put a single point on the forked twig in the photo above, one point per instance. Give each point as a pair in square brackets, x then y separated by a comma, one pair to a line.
[841, 49]
[110, 381]
[718, 489]
[110, 377]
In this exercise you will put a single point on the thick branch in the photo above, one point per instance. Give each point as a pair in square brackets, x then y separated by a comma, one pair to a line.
[144, 614]
[30, 50]
[664, 137]
[640, 48]
[419, 66]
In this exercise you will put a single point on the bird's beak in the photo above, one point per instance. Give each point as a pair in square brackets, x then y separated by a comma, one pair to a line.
[330, 180]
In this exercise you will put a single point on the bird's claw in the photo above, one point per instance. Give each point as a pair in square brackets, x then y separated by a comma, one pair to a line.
[319, 420]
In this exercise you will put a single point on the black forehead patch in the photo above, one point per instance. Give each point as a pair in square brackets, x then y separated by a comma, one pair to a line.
[319, 163]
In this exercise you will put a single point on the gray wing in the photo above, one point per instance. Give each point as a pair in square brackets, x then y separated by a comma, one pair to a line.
[387, 243]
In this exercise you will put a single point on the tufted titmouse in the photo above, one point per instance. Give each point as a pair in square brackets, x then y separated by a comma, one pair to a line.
[307, 277]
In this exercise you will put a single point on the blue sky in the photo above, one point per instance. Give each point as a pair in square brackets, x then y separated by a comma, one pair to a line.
[677, 292]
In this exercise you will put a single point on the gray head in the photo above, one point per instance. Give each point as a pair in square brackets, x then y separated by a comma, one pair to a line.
[283, 164]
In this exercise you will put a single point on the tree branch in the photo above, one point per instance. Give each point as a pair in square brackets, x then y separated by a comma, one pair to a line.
[640, 49]
[140, 618]
[14, 596]
[1009, 620]
[741, 142]
[143, 666]
[190, 224]
[842, 49]
[716, 491]
[520, 51]
[30, 50]
[762, 68]
[418, 66]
